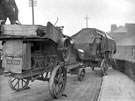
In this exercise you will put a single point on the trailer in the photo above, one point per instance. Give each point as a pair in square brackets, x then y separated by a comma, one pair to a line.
[36, 52]
[98, 48]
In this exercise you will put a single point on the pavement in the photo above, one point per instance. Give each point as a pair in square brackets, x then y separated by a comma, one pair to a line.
[116, 86]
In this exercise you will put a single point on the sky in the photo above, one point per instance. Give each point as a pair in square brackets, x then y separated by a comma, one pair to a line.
[71, 13]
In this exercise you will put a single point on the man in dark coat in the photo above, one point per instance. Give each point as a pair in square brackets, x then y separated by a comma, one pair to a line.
[8, 9]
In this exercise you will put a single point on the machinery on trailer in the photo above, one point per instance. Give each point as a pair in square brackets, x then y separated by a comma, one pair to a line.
[98, 48]
[35, 52]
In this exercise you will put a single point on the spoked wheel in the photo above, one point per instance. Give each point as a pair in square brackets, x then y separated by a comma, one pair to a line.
[57, 82]
[18, 84]
[66, 52]
[81, 74]
[104, 67]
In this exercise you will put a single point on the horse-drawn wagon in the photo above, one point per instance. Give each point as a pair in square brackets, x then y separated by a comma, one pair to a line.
[98, 48]
[35, 52]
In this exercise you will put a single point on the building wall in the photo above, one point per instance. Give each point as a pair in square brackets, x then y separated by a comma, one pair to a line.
[125, 52]
[130, 28]
[122, 33]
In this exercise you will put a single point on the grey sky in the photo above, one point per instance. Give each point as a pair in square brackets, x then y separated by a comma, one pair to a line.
[71, 13]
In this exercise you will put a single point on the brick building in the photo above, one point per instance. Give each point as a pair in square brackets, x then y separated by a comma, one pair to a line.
[125, 40]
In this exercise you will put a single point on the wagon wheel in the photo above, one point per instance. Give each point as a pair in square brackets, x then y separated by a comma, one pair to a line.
[81, 74]
[66, 52]
[104, 67]
[57, 82]
[18, 84]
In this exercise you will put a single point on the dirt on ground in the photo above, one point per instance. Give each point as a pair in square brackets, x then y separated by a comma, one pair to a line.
[86, 90]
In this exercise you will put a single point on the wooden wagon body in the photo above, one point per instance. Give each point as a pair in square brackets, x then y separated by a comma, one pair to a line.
[32, 52]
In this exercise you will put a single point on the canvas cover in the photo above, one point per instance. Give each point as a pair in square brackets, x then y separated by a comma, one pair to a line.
[108, 44]
[88, 39]
[86, 35]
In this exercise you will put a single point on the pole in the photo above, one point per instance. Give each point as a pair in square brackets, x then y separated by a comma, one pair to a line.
[86, 21]
[32, 4]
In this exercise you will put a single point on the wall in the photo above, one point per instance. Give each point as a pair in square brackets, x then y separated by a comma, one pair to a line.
[125, 56]
[130, 28]
[125, 59]
[127, 67]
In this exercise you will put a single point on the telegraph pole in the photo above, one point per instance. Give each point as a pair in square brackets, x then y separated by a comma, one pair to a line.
[86, 18]
[32, 4]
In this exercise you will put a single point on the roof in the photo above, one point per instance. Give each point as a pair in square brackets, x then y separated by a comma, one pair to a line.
[118, 36]
[124, 35]
[130, 41]
[119, 33]
[120, 29]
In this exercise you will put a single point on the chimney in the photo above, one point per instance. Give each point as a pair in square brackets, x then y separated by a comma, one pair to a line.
[113, 27]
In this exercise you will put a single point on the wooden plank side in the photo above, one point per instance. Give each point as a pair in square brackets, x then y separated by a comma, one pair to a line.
[15, 68]
[12, 56]
[26, 56]
[22, 30]
[13, 47]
